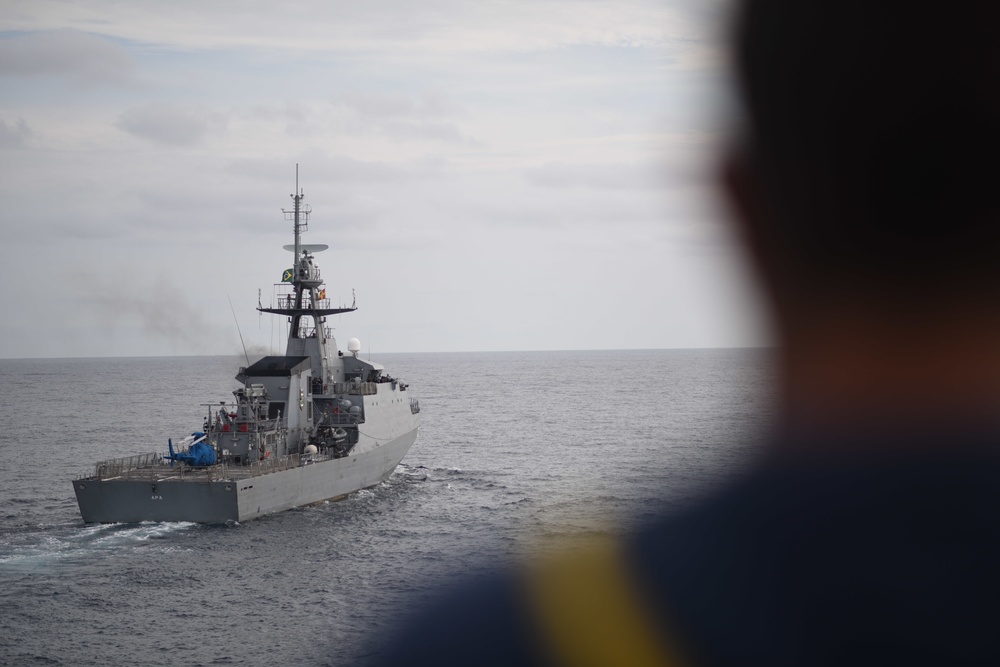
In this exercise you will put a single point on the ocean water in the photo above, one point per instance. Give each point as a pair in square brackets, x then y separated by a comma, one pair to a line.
[515, 450]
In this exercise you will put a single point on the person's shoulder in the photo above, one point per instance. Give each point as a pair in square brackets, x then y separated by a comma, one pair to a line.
[474, 622]
[575, 604]
[862, 556]
[818, 560]
[596, 599]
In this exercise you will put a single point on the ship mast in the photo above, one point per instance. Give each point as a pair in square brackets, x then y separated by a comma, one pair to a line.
[305, 280]
[299, 214]
[301, 269]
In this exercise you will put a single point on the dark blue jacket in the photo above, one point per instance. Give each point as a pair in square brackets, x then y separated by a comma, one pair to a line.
[870, 550]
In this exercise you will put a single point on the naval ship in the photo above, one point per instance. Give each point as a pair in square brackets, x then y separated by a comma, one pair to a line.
[312, 425]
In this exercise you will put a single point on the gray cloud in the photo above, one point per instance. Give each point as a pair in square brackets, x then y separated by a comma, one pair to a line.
[168, 125]
[15, 135]
[291, 112]
[428, 104]
[333, 169]
[631, 176]
[427, 116]
[78, 57]
[426, 131]
[429, 25]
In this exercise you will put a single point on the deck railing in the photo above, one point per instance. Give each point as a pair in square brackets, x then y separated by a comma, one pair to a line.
[117, 467]
[152, 467]
[343, 418]
[257, 468]
[356, 388]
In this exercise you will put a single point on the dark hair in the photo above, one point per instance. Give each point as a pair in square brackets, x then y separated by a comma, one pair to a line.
[874, 128]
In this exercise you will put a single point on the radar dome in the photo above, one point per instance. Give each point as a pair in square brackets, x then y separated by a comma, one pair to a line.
[354, 345]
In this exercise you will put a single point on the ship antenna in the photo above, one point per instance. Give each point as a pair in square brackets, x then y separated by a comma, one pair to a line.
[238, 329]
[297, 211]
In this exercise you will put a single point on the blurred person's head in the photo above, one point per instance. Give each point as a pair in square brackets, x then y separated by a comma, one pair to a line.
[873, 130]
[865, 170]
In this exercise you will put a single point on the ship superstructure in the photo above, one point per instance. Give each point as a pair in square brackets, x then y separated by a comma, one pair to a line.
[310, 425]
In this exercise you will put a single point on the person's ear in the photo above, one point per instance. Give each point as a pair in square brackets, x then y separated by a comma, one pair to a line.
[742, 190]
[758, 229]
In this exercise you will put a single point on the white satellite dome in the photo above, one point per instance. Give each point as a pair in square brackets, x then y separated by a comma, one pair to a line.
[354, 345]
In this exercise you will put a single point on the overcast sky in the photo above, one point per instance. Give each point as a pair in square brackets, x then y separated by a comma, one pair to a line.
[490, 175]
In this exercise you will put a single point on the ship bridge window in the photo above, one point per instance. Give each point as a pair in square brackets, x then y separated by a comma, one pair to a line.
[274, 408]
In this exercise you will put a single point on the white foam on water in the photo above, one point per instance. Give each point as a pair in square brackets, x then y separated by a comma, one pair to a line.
[44, 549]
[123, 535]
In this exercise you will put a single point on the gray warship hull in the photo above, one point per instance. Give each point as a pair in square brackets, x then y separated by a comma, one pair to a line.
[225, 494]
